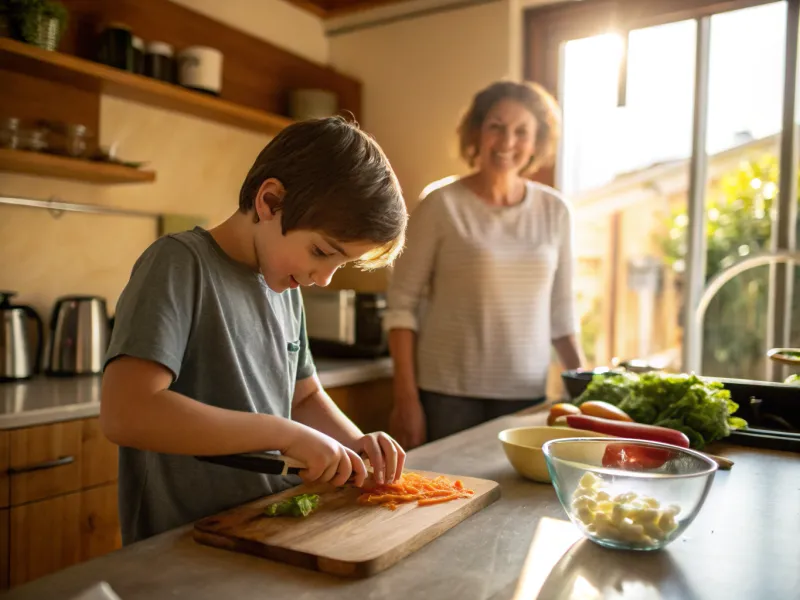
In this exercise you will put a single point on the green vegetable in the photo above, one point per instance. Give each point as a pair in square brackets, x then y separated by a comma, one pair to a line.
[296, 506]
[699, 408]
[793, 380]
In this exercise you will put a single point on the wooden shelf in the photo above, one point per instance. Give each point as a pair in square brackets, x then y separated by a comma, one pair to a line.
[87, 75]
[50, 165]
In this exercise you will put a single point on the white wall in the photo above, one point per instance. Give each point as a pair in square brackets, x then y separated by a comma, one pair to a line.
[419, 76]
[275, 21]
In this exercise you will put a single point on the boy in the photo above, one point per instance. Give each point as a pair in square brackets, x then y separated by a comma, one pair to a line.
[209, 353]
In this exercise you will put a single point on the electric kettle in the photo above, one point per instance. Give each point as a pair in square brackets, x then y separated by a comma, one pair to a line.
[79, 336]
[17, 359]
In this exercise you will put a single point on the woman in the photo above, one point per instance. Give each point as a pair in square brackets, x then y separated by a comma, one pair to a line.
[492, 254]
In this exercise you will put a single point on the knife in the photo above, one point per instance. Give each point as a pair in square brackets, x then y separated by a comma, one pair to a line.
[269, 463]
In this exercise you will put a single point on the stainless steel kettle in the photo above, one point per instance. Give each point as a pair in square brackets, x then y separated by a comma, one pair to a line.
[79, 335]
[18, 360]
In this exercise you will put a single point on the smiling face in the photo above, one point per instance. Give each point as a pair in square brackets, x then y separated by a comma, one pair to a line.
[507, 138]
[301, 256]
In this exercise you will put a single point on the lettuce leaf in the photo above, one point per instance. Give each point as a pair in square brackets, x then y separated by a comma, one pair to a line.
[301, 505]
[699, 408]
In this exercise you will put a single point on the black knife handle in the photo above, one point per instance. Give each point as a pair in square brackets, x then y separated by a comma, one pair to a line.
[255, 462]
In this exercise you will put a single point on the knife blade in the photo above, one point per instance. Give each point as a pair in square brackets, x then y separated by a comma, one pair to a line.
[268, 463]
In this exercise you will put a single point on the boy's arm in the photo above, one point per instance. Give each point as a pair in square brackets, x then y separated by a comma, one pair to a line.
[315, 408]
[312, 406]
[138, 410]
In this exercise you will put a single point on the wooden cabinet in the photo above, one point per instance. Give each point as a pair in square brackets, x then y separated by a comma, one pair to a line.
[100, 533]
[45, 461]
[4, 548]
[60, 486]
[45, 537]
[367, 404]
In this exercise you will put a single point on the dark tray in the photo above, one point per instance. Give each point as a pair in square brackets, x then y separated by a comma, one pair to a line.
[772, 410]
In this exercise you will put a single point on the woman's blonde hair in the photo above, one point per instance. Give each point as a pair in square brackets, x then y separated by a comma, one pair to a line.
[541, 104]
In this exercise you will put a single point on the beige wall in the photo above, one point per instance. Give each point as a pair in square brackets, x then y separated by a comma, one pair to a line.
[199, 165]
[419, 75]
[275, 21]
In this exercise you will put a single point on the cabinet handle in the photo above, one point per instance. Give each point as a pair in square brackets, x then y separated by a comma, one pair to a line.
[48, 464]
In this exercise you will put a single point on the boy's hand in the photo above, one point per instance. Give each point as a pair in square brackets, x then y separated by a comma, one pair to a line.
[327, 460]
[387, 456]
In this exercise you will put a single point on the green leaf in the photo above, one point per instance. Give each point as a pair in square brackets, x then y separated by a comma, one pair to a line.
[737, 423]
[301, 505]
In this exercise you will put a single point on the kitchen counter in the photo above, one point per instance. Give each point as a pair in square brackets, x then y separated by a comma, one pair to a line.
[744, 544]
[44, 400]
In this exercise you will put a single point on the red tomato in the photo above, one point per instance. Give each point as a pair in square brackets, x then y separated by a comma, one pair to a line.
[635, 458]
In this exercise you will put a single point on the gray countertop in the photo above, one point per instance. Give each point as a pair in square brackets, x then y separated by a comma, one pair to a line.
[743, 545]
[43, 400]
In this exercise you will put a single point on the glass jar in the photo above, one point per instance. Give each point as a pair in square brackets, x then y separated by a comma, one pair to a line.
[76, 136]
[9, 133]
[115, 46]
[159, 62]
[33, 139]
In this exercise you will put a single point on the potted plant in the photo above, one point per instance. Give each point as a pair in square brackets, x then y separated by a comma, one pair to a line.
[37, 22]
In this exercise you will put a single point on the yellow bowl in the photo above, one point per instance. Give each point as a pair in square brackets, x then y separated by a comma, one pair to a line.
[523, 447]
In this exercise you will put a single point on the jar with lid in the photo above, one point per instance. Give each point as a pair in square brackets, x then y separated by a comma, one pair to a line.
[159, 61]
[34, 139]
[138, 55]
[200, 69]
[9, 133]
[76, 139]
[115, 46]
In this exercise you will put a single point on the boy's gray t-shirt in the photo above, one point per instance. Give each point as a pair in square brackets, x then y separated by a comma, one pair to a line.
[230, 342]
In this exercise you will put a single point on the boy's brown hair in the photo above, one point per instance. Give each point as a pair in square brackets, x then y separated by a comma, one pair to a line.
[338, 181]
[539, 102]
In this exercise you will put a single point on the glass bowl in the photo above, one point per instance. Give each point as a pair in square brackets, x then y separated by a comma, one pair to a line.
[628, 494]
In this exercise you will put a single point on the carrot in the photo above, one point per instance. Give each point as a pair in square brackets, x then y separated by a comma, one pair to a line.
[414, 487]
[429, 501]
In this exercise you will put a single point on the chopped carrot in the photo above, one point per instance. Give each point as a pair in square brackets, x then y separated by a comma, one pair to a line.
[414, 487]
[440, 500]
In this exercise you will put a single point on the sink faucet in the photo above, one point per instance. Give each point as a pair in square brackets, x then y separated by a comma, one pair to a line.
[695, 338]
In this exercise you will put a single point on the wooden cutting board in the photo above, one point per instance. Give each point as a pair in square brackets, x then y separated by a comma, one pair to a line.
[341, 537]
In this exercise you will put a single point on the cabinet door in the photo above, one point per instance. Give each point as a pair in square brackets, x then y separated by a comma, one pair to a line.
[99, 462]
[4, 548]
[5, 457]
[99, 521]
[367, 404]
[45, 461]
[45, 537]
